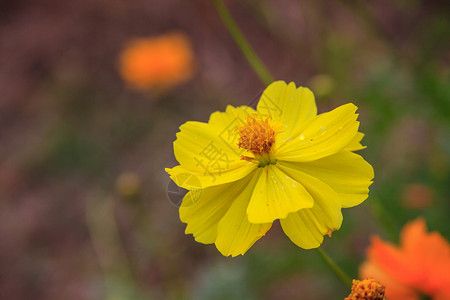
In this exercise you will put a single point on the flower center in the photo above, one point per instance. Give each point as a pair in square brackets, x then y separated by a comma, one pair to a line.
[257, 136]
[367, 289]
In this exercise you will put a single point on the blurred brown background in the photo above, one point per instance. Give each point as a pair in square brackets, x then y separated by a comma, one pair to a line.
[83, 206]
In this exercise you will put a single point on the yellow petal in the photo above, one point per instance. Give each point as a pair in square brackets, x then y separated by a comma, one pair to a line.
[355, 144]
[275, 196]
[306, 227]
[229, 120]
[301, 230]
[197, 141]
[345, 172]
[325, 135]
[203, 209]
[209, 151]
[193, 181]
[235, 235]
[291, 106]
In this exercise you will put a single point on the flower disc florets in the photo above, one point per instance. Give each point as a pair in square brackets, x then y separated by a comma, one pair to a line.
[368, 289]
[257, 136]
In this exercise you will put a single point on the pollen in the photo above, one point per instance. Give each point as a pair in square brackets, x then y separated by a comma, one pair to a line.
[366, 289]
[257, 135]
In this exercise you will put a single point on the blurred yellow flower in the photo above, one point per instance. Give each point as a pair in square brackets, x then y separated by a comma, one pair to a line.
[128, 184]
[159, 62]
[322, 85]
[280, 161]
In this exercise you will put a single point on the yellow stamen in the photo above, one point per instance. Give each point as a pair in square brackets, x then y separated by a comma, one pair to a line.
[369, 289]
[257, 135]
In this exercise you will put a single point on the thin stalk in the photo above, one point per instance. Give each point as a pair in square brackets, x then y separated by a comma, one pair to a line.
[336, 269]
[242, 42]
[265, 76]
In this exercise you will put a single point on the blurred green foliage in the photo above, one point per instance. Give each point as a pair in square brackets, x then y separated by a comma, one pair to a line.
[390, 58]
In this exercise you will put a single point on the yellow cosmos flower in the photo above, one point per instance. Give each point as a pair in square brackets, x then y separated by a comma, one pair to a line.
[246, 168]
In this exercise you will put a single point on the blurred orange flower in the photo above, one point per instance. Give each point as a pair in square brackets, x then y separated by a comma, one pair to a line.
[420, 266]
[157, 62]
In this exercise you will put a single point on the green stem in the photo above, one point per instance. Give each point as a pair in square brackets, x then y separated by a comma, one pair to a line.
[242, 43]
[336, 269]
[266, 78]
